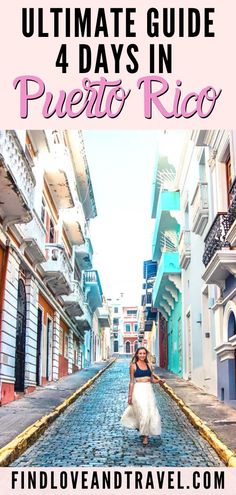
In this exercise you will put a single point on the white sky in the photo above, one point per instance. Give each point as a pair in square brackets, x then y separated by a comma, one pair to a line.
[121, 165]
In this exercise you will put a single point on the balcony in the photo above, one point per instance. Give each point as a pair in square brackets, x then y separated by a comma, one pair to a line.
[74, 221]
[148, 326]
[84, 322]
[167, 283]
[84, 254]
[231, 235]
[151, 314]
[164, 174]
[104, 316]
[185, 248]
[74, 303]
[146, 299]
[200, 208]
[149, 269]
[166, 220]
[93, 289]
[218, 258]
[81, 170]
[57, 270]
[17, 181]
[57, 173]
[33, 239]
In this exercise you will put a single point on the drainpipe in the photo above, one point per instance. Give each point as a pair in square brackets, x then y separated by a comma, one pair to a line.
[3, 286]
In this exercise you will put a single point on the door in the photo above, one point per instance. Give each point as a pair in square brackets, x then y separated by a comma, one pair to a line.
[180, 344]
[163, 342]
[39, 345]
[49, 351]
[116, 346]
[127, 347]
[189, 348]
[20, 338]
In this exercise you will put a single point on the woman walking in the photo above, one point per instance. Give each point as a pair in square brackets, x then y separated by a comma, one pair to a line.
[142, 413]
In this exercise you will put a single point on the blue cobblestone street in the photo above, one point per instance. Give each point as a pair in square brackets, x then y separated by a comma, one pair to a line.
[89, 432]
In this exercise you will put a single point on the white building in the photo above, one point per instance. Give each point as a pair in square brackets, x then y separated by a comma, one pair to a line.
[49, 291]
[206, 180]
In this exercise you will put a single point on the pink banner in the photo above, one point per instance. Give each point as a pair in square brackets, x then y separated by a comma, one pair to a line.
[149, 65]
[119, 480]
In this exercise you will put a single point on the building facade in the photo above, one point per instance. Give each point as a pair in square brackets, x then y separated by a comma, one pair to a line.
[49, 291]
[194, 246]
[147, 314]
[130, 329]
[166, 292]
[219, 257]
[116, 314]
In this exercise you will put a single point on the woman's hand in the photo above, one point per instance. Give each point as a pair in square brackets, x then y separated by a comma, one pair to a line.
[158, 380]
[130, 400]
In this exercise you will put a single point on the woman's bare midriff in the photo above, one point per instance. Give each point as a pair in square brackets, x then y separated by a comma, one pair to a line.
[144, 380]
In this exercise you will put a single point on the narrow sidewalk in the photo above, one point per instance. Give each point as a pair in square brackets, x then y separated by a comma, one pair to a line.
[16, 416]
[219, 417]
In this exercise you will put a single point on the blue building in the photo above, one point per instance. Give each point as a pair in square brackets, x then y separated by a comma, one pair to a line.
[166, 295]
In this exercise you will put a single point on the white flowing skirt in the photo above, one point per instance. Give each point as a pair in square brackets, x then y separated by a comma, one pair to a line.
[143, 414]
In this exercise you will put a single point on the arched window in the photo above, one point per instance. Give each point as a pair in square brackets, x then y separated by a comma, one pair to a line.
[231, 325]
[127, 347]
[135, 345]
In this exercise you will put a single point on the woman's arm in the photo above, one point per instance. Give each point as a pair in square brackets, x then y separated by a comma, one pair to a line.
[131, 383]
[156, 380]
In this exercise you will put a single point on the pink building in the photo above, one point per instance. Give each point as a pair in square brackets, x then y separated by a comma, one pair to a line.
[130, 329]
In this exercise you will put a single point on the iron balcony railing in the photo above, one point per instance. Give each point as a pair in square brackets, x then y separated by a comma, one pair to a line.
[216, 237]
[232, 206]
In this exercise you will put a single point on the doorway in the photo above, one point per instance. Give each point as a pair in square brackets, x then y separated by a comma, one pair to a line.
[20, 338]
[189, 346]
[49, 350]
[39, 345]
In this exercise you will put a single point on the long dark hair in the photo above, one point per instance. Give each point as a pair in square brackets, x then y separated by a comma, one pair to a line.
[135, 356]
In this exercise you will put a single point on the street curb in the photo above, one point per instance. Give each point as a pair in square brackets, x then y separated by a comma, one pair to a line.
[226, 455]
[21, 442]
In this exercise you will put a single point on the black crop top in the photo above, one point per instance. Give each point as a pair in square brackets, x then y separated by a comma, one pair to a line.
[142, 373]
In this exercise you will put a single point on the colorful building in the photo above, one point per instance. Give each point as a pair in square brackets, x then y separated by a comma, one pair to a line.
[49, 291]
[194, 246]
[130, 329]
[116, 314]
[166, 293]
[219, 253]
[147, 313]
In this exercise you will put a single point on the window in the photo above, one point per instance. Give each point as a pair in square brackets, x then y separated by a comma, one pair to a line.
[127, 347]
[136, 327]
[186, 218]
[115, 335]
[61, 341]
[127, 327]
[132, 312]
[116, 346]
[202, 168]
[116, 309]
[43, 212]
[51, 231]
[66, 346]
[115, 321]
[229, 180]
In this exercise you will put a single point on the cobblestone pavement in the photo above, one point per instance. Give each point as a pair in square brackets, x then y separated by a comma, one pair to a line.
[89, 432]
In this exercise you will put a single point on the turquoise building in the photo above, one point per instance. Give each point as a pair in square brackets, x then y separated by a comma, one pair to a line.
[167, 287]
